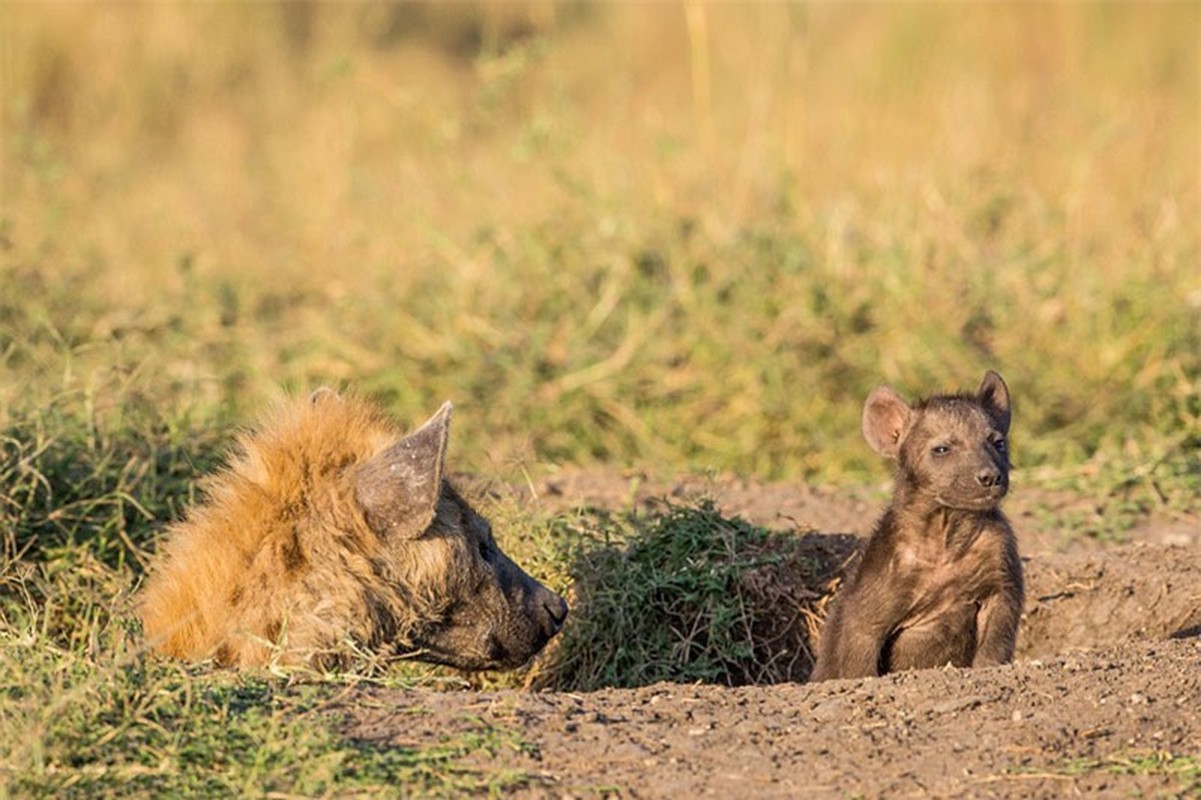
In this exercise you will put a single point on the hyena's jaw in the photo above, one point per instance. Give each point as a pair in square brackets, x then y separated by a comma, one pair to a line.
[977, 503]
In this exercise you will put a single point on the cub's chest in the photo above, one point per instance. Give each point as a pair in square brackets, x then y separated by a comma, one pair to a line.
[938, 577]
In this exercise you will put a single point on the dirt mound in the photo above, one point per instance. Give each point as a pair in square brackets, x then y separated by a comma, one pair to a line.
[1127, 593]
[1084, 597]
[787, 505]
[1104, 699]
[1106, 724]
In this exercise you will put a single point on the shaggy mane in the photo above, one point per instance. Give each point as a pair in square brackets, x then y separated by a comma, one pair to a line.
[284, 496]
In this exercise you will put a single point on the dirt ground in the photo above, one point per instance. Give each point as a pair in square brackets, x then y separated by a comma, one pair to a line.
[1104, 699]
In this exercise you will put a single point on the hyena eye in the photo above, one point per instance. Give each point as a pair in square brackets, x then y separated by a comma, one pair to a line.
[940, 449]
[999, 443]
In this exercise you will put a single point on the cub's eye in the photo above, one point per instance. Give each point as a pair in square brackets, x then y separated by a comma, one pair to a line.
[1000, 444]
[940, 449]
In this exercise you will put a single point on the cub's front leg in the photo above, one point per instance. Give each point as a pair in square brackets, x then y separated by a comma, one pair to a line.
[855, 633]
[1001, 612]
[997, 628]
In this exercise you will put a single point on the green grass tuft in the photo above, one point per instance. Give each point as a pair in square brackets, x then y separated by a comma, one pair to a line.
[1183, 770]
[687, 595]
[98, 719]
[154, 730]
[84, 712]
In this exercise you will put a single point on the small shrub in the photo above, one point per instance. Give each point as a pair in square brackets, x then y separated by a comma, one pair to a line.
[688, 595]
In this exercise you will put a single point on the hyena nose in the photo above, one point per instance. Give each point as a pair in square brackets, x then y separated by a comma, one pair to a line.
[556, 611]
[989, 478]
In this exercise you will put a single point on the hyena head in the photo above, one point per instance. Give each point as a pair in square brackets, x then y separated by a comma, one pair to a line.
[470, 606]
[949, 448]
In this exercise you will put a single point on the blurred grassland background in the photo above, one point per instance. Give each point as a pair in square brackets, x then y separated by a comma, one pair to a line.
[684, 237]
[687, 237]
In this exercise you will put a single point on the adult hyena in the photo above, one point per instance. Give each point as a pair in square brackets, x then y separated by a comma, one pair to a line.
[330, 532]
[939, 581]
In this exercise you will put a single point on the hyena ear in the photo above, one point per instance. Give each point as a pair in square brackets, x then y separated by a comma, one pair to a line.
[398, 489]
[886, 419]
[994, 396]
[323, 394]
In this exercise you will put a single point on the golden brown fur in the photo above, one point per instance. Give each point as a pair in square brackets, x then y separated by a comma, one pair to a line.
[282, 563]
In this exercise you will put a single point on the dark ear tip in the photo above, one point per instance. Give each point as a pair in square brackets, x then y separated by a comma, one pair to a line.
[993, 381]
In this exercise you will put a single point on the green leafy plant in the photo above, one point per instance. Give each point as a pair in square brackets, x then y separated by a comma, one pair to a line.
[686, 595]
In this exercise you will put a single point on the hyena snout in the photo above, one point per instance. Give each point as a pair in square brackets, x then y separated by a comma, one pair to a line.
[502, 626]
[550, 611]
[990, 478]
[543, 611]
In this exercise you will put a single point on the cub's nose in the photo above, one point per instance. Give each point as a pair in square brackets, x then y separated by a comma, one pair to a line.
[989, 478]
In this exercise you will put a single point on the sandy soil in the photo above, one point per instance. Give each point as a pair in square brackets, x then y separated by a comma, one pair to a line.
[1104, 699]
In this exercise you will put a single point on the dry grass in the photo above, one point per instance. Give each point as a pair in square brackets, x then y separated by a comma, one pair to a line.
[689, 237]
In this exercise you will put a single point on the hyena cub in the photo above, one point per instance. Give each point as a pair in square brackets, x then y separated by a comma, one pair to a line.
[332, 533]
[939, 581]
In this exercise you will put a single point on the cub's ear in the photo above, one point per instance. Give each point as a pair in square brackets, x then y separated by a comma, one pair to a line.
[398, 489]
[323, 395]
[886, 419]
[994, 396]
